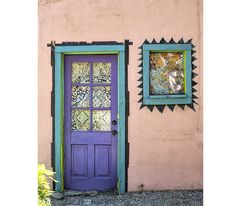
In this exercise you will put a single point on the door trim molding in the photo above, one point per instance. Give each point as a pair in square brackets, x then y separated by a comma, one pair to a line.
[59, 52]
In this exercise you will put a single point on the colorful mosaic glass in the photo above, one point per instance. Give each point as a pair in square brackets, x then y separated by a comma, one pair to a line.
[101, 96]
[80, 72]
[80, 96]
[80, 120]
[166, 73]
[101, 72]
[101, 120]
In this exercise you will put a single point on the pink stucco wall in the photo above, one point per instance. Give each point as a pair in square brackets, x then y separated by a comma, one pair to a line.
[165, 149]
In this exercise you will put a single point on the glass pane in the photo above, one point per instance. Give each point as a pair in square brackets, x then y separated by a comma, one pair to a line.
[166, 73]
[101, 72]
[81, 72]
[80, 120]
[101, 120]
[80, 96]
[101, 96]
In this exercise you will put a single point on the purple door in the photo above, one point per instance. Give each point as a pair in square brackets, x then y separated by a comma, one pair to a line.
[90, 128]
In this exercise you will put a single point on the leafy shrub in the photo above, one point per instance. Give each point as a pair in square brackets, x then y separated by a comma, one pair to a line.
[44, 191]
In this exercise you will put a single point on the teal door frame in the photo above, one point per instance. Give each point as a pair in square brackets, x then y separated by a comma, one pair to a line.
[60, 51]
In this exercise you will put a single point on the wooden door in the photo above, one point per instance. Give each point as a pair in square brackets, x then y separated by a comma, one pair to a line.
[90, 122]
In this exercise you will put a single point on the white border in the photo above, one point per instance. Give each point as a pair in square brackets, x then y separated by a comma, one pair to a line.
[219, 103]
[18, 105]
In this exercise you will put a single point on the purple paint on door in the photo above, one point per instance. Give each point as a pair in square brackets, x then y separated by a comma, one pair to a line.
[90, 147]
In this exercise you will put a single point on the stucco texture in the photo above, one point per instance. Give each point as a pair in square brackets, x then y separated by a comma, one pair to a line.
[165, 148]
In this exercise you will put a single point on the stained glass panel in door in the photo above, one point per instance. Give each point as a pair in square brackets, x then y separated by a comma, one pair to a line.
[101, 96]
[101, 120]
[91, 95]
[80, 120]
[80, 72]
[101, 72]
[80, 96]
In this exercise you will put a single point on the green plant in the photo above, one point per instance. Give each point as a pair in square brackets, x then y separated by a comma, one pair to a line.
[44, 191]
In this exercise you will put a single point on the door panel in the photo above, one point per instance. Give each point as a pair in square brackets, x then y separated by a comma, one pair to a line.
[79, 160]
[90, 107]
[102, 162]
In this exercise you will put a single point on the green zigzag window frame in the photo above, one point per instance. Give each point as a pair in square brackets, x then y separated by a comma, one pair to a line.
[170, 100]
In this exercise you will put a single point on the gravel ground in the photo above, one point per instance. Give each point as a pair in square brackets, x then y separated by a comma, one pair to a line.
[146, 198]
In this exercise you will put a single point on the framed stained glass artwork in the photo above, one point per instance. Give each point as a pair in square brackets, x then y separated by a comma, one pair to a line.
[167, 74]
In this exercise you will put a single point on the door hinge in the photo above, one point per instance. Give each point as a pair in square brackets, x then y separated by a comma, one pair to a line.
[118, 115]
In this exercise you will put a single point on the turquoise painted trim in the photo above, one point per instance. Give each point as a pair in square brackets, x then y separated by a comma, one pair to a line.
[90, 48]
[58, 123]
[167, 99]
[167, 96]
[102, 52]
[59, 108]
[149, 101]
[145, 74]
[172, 47]
[188, 76]
[121, 124]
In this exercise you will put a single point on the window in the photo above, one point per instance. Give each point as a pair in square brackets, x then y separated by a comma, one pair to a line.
[167, 74]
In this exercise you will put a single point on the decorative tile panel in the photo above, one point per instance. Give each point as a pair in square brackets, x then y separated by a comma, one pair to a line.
[101, 72]
[80, 120]
[101, 120]
[80, 96]
[166, 73]
[101, 96]
[80, 72]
